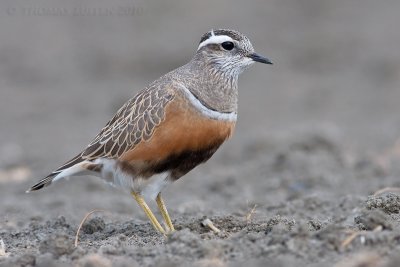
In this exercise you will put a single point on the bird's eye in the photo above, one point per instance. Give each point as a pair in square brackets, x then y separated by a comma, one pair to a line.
[227, 45]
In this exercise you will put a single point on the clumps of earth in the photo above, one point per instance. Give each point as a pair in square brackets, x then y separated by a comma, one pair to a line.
[298, 201]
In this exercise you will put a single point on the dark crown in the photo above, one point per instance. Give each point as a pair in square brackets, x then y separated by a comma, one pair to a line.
[231, 33]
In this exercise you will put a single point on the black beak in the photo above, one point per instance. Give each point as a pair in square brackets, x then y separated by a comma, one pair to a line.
[258, 58]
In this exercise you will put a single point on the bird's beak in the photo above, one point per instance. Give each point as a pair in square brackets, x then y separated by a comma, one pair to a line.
[258, 58]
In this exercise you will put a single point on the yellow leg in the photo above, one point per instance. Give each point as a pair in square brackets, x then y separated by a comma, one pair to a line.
[164, 212]
[139, 199]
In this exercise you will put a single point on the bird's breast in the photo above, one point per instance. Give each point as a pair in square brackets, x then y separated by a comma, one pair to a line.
[183, 140]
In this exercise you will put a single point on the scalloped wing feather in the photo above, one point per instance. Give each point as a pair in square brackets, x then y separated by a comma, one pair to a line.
[134, 122]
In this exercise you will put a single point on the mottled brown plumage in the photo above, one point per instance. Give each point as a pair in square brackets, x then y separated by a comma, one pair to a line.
[171, 126]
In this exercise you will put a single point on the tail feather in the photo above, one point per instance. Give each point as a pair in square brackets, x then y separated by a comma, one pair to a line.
[43, 183]
[75, 166]
[77, 159]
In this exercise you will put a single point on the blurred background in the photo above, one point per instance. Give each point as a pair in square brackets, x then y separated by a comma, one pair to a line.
[67, 66]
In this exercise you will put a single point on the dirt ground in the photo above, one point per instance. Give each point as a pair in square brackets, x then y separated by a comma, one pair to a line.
[299, 183]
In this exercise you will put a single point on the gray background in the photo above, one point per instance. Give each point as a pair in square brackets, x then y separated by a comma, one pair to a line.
[63, 74]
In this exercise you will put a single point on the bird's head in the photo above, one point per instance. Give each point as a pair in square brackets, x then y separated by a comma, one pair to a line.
[229, 51]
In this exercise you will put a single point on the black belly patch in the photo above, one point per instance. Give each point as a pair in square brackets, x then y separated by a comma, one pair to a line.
[180, 164]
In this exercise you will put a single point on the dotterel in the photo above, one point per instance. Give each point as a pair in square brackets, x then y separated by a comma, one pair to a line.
[171, 126]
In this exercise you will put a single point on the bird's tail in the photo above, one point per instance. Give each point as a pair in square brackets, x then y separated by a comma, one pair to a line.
[43, 183]
[74, 167]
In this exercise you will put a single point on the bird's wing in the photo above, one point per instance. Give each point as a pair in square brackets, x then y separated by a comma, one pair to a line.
[134, 122]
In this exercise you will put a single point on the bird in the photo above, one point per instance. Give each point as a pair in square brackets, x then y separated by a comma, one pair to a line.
[167, 129]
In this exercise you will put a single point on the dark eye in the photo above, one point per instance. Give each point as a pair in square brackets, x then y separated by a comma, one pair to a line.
[227, 45]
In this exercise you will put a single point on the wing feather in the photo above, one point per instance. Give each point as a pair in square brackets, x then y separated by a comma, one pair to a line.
[134, 122]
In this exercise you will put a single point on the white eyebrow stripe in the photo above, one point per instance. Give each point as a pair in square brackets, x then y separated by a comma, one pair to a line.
[215, 39]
